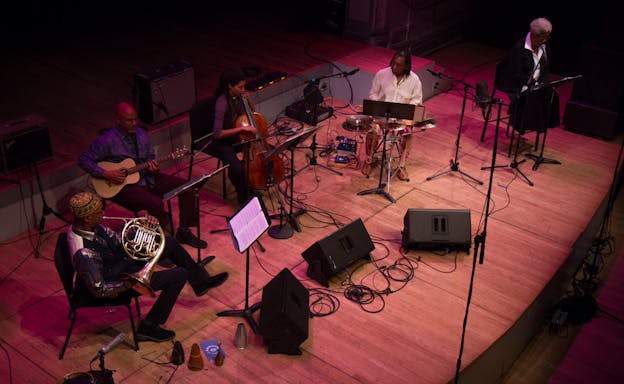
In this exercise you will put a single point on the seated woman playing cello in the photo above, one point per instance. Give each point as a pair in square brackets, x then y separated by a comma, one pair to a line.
[228, 106]
[235, 121]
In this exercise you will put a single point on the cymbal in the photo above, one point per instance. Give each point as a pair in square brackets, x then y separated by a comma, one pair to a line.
[357, 122]
[359, 119]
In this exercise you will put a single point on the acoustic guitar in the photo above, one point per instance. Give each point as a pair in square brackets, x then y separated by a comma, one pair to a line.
[107, 189]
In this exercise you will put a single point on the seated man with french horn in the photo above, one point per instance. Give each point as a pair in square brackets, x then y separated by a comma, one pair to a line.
[109, 263]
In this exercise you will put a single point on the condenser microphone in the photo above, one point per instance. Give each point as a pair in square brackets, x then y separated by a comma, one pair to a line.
[112, 344]
[483, 95]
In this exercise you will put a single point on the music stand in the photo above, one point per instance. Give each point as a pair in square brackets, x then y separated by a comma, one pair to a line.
[552, 86]
[283, 230]
[246, 226]
[387, 110]
[195, 184]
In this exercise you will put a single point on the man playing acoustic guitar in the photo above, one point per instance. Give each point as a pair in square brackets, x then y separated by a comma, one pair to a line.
[129, 144]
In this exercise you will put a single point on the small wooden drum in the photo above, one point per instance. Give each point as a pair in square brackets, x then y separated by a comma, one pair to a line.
[357, 123]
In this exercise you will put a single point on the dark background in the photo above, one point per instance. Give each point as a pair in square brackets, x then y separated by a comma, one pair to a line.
[586, 39]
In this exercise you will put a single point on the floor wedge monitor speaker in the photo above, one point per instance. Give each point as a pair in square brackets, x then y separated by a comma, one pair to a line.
[332, 254]
[437, 229]
[284, 314]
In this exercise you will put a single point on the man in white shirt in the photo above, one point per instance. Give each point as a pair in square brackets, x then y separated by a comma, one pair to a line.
[398, 84]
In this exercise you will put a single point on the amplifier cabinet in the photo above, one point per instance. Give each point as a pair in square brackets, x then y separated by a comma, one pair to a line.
[165, 91]
[23, 141]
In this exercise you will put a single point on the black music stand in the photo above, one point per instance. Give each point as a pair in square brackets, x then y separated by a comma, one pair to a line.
[195, 184]
[552, 87]
[283, 230]
[387, 110]
[246, 226]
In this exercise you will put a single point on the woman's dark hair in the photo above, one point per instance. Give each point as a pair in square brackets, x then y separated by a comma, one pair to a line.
[229, 77]
[408, 60]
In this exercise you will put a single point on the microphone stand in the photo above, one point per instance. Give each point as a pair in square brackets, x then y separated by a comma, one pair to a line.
[479, 241]
[454, 162]
[45, 210]
[316, 103]
[514, 163]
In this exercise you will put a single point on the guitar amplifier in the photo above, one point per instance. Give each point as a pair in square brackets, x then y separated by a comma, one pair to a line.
[23, 141]
[308, 113]
[165, 91]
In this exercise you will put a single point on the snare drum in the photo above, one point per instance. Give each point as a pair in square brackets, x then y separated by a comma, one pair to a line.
[357, 123]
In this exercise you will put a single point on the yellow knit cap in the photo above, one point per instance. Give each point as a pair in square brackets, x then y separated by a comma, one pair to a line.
[83, 204]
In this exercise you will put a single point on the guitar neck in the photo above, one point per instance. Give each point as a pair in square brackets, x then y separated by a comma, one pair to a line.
[140, 167]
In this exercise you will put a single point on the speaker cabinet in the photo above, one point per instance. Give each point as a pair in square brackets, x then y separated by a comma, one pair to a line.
[330, 255]
[590, 120]
[437, 228]
[24, 140]
[284, 314]
[164, 91]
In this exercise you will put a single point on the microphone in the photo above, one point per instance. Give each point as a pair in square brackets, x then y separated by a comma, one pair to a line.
[112, 344]
[434, 73]
[483, 95]
[352, 72]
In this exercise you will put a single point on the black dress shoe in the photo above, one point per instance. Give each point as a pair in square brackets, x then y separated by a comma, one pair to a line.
[185, 236]
[206, 260]
[154, 333]
[213, 281]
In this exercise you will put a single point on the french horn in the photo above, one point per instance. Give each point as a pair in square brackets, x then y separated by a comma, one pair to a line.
[142, 240]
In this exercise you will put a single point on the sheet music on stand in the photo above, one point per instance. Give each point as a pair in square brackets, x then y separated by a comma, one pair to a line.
[248, 224]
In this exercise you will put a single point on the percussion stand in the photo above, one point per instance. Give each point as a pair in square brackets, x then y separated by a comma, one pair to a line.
[454, 162]
[388, 110]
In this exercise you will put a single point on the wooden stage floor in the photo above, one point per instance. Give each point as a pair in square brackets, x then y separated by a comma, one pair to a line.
[411, 331]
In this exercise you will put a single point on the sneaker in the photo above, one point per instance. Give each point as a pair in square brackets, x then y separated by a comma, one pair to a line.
[155, 333]
[185, 236]
[402, 174]
[213, 281]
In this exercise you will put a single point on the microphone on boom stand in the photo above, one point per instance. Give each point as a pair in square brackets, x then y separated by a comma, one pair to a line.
[482, 96]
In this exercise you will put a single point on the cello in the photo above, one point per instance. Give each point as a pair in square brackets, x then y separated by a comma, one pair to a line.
[260, 172]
